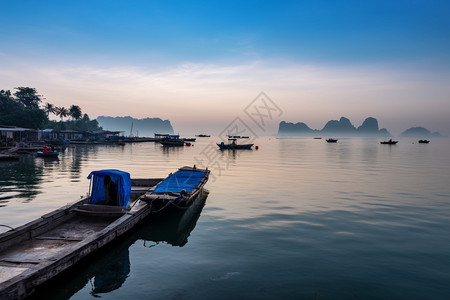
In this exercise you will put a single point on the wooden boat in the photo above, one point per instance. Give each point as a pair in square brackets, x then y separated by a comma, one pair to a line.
[173, 229]
[178, 190]
[172, 140]
[390, 142]
[424, 141]
[332, 140]
[35, 252]
[47, 154]
[233, 145]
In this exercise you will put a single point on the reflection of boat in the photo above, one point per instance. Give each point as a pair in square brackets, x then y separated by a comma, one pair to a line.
[35, 252]
[424, 141]
[233, 145]
[332, 140]
[47, 154]
[390, 142]
[173, 228]
[109, 270]
[178, 190]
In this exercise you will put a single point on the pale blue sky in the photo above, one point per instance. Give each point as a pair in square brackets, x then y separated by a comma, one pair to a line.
[318, 60]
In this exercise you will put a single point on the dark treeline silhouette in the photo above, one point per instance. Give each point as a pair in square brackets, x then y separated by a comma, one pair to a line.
[25, 108]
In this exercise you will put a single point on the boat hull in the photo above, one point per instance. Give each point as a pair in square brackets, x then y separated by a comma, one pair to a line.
[47, 154]
[235, 147]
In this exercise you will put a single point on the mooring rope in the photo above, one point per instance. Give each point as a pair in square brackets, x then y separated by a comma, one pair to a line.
[7, 226]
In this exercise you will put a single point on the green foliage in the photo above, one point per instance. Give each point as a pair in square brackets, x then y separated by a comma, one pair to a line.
[22, 110]
[28, 97]
[75, 112]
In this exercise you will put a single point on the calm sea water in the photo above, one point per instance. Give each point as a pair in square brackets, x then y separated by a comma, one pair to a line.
[296, 219]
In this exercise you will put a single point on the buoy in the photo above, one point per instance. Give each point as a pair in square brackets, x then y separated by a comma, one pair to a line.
[256, 147]
[73, 147]
[188, 144]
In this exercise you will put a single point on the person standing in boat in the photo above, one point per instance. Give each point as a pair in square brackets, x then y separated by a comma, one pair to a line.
[111, 191]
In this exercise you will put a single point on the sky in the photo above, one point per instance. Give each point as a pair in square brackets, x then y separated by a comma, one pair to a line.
[199, 64]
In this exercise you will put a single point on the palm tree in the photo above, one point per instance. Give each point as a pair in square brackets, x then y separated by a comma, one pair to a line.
[75, 112]
[49, 108]
[61, 111]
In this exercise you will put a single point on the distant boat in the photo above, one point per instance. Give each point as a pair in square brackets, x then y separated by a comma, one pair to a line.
[424, 141]
[238, 137]
[317, 138]
[233, 145]
[172, 140]
[202, 135]
[189, 139]
[332, 140]
[390, 142]
[47, 154]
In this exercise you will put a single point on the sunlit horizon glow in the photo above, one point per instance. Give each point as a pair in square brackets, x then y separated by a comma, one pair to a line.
[200, 71]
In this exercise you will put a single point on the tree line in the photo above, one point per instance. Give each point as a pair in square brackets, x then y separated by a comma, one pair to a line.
[25, 108]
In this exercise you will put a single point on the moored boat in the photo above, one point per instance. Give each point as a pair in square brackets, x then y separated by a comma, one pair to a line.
[36, 252]
[178, 190]
[424, 141]
[47, 154]
[172, 140]
[330, 140]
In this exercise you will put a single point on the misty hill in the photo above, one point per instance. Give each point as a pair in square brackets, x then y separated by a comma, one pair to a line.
[334, 127]
[143, 127]
[419, 132]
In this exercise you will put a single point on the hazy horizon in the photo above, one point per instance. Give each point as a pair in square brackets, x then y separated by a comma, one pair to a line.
[200, 65]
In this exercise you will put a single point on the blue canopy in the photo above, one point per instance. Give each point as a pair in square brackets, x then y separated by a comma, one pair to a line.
[181, 180]
[121, 179]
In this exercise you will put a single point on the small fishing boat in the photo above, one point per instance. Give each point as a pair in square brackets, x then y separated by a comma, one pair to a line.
[172, 140]
[332, 140]
[424, 141]
[38, 251]
[178, 190]
[189, 139]
[233, 145]
[202, 135]
[47, 154]
[390, 142]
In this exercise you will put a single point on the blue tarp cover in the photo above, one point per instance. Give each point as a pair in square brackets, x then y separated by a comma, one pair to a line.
[181, 180]
[120, 178]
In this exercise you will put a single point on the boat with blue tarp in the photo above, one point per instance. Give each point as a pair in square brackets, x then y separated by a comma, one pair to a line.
[178, 190]
[40, 250]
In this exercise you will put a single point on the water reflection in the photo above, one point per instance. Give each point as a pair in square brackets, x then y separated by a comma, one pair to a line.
[109, 269]
[19, 180]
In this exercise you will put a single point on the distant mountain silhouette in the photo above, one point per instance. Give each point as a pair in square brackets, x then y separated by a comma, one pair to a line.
[419, 132]
[335, 127]
[143, 127]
